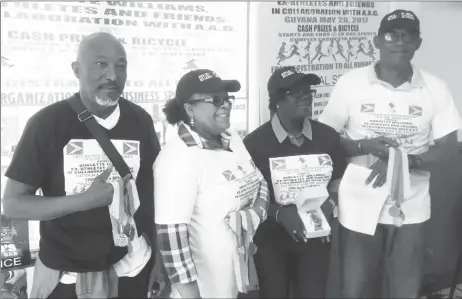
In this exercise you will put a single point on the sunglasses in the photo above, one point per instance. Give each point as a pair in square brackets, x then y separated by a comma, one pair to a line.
[394, 37]
[300, 93]
[217, 101]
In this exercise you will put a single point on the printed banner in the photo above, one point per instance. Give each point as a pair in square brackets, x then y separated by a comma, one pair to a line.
[291, 175]
[327, 38]
[15, 244]
[163, 41]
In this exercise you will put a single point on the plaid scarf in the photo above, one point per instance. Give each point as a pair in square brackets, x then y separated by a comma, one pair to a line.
[192, 138]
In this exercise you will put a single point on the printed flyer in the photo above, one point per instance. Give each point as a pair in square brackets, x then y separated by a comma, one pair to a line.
[291, 175]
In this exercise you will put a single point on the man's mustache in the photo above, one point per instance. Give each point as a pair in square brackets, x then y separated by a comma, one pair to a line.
[110, 86]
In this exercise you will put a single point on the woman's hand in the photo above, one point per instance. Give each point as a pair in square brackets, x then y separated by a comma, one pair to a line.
[159, 284]
[289, 218]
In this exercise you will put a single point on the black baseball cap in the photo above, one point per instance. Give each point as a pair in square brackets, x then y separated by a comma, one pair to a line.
[284, 78]
[203, 81]
[400, 19]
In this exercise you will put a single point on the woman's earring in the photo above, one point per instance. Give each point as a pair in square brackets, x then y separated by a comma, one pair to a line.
[191, 122]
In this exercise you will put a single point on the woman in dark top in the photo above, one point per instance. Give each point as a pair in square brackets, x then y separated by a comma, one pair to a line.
[285, 256]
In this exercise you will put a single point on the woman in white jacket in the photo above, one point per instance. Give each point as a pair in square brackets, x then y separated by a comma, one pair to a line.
[209, 196]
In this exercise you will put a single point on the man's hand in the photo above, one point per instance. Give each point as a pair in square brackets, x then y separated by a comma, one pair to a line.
[379, 170]
[289, 218]
[377, 146]
[100, 193]
[159, 284]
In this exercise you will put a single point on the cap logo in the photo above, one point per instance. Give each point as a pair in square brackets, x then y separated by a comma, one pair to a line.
[206, 76]
[403, 15]
[407, 15]
[287, 73]
[392, 17]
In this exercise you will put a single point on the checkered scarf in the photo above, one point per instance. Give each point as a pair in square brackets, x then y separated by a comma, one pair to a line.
[191, 138]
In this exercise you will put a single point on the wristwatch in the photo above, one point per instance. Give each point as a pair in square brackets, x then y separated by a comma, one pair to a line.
[315, 220]
[359, 146]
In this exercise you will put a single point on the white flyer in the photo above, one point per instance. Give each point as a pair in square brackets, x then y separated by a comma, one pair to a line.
[84, 160]
[360, 204]
[290, 175]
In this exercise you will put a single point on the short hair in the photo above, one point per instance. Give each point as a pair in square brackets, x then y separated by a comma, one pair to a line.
[174, 112]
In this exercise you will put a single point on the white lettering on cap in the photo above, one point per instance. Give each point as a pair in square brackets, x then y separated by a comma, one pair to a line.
[407, 15]
[287, 73]
[207, 76]
[392, 17]
[403, 15]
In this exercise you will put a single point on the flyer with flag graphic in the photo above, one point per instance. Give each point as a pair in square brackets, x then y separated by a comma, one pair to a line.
[245, 179]
[290, 175]
[84, 160]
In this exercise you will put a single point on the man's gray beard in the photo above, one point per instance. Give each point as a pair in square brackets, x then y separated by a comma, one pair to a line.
[106, 103]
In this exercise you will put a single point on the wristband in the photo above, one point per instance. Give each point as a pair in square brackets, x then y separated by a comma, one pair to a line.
[277, 212]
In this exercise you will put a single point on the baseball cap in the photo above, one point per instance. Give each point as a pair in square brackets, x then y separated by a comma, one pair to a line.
[203, 81]
[400, 19]
[286, 77]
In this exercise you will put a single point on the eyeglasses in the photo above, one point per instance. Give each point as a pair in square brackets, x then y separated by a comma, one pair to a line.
[217, 101]
[298, 94]
[393, 37]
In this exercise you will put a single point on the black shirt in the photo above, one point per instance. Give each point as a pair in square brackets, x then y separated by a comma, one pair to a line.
[263, 144]
[82, 241]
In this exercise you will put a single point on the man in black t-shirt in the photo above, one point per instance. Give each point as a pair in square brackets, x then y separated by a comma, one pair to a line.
[58, 155]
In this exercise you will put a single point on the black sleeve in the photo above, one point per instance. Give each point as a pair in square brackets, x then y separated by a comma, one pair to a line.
[338, 157]
[145, 180]
[28, 164]
[252, 142]
[253, 152]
